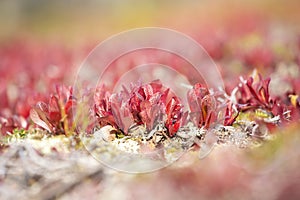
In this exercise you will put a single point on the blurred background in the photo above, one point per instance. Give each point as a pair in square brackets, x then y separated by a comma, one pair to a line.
[80, 21]
[74, 28]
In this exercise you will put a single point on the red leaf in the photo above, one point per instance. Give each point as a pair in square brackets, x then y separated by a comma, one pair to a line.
[40, 119]
[174, 114]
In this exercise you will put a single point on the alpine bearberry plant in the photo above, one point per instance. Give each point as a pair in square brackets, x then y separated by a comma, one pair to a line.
[56, 116]
[143, 104]
[203, 108]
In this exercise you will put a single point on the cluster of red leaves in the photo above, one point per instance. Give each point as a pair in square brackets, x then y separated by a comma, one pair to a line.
[249, 96]
[143, 104]
[202, 106]
[102, 107]
[175, 116]
[56, 116]
[253, 93]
